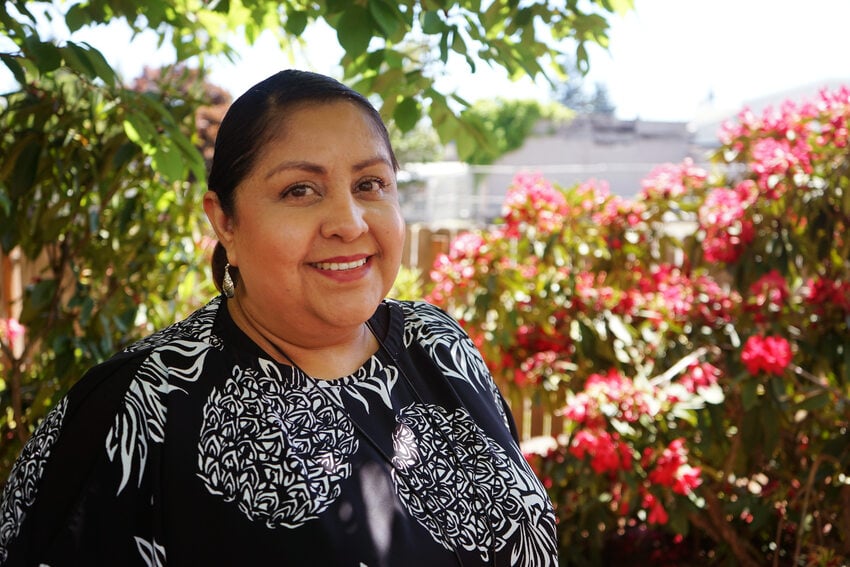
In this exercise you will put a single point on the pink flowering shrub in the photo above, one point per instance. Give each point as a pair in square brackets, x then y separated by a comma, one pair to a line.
[700, 387]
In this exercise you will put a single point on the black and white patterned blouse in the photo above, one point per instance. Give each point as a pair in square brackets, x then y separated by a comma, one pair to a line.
[194, 447]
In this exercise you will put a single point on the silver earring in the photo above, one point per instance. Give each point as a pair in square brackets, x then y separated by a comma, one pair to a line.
[227, 285]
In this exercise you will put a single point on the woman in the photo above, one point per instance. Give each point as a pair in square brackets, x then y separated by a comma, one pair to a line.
[299, 418]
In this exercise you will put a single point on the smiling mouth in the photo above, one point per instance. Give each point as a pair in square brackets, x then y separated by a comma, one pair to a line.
[341, 266]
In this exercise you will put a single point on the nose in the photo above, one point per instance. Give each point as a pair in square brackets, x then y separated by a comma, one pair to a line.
[345, 218]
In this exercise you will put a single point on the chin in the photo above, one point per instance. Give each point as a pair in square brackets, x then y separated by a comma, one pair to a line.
[354, 313]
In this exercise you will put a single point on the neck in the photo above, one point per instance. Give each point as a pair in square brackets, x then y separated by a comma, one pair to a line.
[333, 356]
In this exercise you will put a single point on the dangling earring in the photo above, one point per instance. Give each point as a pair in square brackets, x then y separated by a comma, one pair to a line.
[227, 285]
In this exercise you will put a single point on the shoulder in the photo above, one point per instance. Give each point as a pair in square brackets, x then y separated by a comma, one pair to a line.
[112, 377]
[47, 476]
[431, 328]
[422, 318]
[97, 396]
[197, 327]
[448, 345]
[111, 415]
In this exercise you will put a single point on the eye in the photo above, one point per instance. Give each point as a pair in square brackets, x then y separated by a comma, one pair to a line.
[371, 185]
[297, 191]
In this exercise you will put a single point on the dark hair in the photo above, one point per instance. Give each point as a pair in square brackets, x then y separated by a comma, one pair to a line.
[248, 126]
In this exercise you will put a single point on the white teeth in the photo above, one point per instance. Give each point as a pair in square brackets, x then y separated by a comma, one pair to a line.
[339, 266]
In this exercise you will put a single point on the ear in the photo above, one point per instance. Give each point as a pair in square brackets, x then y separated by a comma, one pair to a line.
[222, 224]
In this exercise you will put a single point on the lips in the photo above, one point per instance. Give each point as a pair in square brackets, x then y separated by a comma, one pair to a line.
[341, 266]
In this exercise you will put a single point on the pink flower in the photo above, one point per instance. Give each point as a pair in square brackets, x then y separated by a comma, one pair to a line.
[671, 468]
[595, 192]
[699, 375]
[533, 202]
[768, 295]
[618, 213]
[657, 513]
[667, 464]
[771, 355]
[669, 181]
[11, 329]
[714, 305]
[722, 217]
[607, 452]
[827, 295]
[687, 479]
[579, 408]
[774, 160]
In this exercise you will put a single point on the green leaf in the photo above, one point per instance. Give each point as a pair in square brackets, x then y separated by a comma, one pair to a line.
[140, 129]
[101, 67]
[25, 170]
[620, 7]
[296, 22]
[15, 67]
[770, 420]
[77, 17]
[125, 153]
[355, 30]
[458, 45]
[77, 59]
[37, 297]
[221, 6]
[777, 388]
[407, 114]
[465, 141]
[385, 15]
[166, 160]
[432, 23]
[394, 59]
[191, 156]
[46, 55]
[814, 402]
[444, 47]
[133, 133]
[749, 394]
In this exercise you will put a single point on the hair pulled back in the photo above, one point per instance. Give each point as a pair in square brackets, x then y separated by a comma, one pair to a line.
[254, 118]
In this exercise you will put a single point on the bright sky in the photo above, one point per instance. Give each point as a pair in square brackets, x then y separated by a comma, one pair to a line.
[664, 58]
[669, 54]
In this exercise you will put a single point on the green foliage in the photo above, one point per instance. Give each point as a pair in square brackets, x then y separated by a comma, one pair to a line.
[408, 285]
[419, 145]
[101, 196]
[394, 50]
[509, 123]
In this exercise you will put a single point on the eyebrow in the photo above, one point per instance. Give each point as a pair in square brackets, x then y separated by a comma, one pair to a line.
[304, 165]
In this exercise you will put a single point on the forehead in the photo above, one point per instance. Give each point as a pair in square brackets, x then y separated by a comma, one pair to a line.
[324, 134]
[307, 119]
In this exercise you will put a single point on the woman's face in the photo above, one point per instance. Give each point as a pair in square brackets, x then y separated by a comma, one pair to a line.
[317, 232]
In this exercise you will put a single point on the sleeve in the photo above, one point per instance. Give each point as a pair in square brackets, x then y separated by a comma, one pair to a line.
[51, 479]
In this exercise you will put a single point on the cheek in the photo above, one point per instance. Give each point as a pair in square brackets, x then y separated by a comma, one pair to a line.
[267, 244]
[394, 233]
